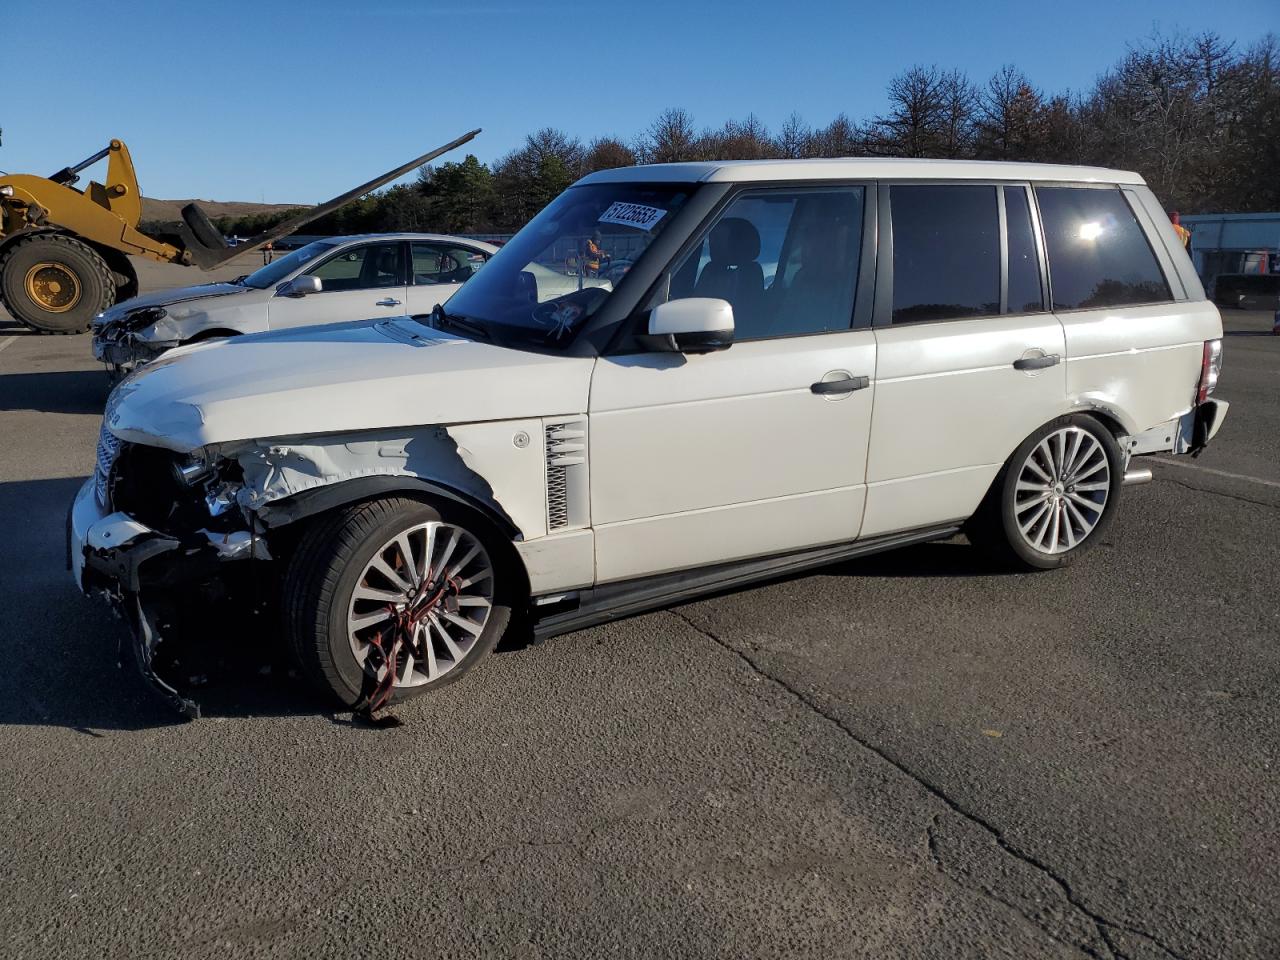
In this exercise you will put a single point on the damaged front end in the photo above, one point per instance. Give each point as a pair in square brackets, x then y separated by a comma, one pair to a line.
[182, 543]
[152, 532]
[137, 337]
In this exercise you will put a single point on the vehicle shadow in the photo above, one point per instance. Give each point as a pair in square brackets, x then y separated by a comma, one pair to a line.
[68, 662]
[12, 328]
[67, 391]
[941, 558]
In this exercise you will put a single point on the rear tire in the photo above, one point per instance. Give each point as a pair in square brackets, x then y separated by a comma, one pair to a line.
[339, 555]
[54, 283]
[1054, 498]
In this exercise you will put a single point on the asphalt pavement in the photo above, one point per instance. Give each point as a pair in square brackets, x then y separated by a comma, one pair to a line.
[910, 755]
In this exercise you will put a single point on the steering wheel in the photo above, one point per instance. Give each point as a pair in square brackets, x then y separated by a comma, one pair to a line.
[561, 315]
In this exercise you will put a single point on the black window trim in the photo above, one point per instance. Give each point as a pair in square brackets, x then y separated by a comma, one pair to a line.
[883, 314]
[864, 296]
[404, 253]
[1144, 227]
[1037, 238]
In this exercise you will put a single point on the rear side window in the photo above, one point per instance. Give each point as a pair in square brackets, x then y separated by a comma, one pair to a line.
[1098, 254]
[444, 263]
[946, 252]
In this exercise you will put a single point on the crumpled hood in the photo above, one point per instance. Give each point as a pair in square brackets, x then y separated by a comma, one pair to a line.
[338, 378]
[164, 298]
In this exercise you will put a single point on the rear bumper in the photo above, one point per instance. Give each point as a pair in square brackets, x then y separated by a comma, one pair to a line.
[1206, 421]
[1189, 433]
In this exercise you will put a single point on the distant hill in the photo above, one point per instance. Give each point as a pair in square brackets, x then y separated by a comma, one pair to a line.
[170, 211]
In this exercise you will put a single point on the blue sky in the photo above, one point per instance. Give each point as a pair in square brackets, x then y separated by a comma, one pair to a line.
[293, 101]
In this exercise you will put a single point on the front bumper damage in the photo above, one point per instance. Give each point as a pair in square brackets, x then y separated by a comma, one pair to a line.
[124, 351]
[113, 556]
[165, 536]
[128, 342]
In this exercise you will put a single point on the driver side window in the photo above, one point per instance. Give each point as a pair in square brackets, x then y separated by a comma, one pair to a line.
[365, 267]
[785, 260]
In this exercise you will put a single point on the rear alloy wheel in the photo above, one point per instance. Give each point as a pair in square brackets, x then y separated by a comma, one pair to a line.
[1055, 496]
[391, 598]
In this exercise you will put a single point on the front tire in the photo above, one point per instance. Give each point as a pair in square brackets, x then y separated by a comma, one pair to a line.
[54, 283]
[1054, 498]
[394, 585]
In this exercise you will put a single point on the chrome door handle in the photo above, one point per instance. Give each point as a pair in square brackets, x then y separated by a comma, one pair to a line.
[387, 303]
[847, 385]
[1037, 363]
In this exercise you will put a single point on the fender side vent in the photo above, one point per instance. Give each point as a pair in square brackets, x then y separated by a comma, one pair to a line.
[567, 486]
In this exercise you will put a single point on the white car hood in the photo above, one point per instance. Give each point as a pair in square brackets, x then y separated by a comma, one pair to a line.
[164, 298]
[338, 378]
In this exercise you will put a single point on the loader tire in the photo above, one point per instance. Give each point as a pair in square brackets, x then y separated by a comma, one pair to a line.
[203, 227]
[54, 283]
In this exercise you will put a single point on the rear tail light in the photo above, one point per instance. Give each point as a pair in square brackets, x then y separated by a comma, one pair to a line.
[1210, 368]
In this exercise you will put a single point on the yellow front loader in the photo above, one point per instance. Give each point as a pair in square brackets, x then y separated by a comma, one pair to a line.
[64, 253]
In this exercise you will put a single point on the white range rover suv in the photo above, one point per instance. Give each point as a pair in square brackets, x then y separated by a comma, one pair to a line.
[674, 378]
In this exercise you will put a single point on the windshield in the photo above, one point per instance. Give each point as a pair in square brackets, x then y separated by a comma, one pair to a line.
[273, 273]
[554, 274]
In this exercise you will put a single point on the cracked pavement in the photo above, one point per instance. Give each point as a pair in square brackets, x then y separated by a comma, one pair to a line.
[909, 755]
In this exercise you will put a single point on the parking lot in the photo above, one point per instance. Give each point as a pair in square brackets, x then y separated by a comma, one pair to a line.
[915, 754]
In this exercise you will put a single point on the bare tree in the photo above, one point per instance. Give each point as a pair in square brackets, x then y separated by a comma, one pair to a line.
[917, 115]
[795, 139]
[605, 153]
[959, 103]
[748, 139]
[1011, 121]
[670, 138]
[839, 138]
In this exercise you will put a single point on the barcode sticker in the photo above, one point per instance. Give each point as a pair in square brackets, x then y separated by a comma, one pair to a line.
[632, 215]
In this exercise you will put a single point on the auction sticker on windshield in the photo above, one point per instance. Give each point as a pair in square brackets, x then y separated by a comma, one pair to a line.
[632, 215]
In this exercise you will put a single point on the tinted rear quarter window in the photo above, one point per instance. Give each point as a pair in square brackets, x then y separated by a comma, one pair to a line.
[946, 252]
[1098, 254]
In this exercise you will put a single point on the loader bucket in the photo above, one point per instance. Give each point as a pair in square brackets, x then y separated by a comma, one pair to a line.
[208, 249]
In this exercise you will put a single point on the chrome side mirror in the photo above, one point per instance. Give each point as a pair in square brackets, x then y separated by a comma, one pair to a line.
[693, 324]
[299, 286]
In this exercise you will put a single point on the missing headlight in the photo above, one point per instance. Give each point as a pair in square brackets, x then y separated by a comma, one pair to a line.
[144, 317]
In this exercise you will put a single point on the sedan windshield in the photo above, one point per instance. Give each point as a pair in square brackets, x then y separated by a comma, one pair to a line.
[554, 274]
[274, 272]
